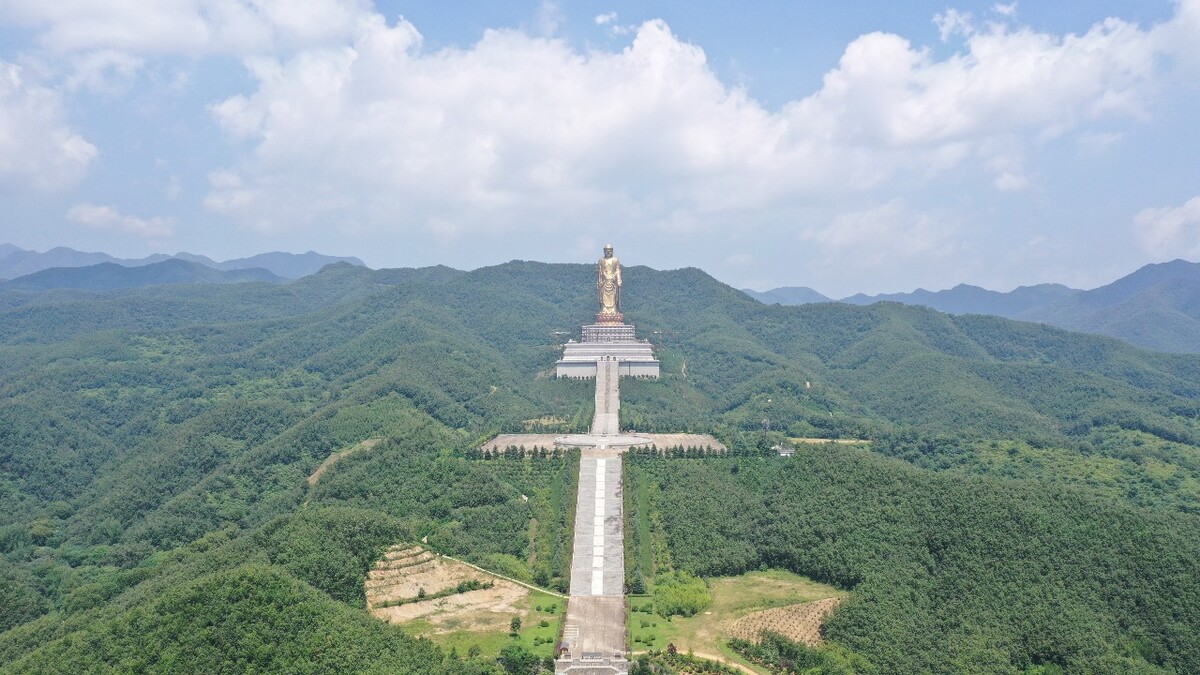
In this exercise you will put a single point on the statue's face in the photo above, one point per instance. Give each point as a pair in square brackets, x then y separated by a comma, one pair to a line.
[608, 251]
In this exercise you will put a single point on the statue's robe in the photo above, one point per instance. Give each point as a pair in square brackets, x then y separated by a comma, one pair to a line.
[608, 284]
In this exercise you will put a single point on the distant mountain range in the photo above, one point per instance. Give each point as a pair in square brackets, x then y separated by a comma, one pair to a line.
[109, 276]
[1157, 307]
[18, 262]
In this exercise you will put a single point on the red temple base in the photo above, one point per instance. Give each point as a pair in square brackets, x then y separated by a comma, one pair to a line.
[614, 319]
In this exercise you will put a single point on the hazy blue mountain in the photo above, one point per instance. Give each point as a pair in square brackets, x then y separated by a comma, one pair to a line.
[787, 295]
[202, 259]
[20, 262]
[17, 262]
[288, 265]
[1157, 307]
[109, 276]
[966, 299]
[1144, 279]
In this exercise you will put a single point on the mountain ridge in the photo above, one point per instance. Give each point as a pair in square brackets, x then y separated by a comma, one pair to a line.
[109, 276]
[18, 262]
[1157, 306]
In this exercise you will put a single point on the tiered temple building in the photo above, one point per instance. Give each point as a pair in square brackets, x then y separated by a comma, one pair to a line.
[610, 338]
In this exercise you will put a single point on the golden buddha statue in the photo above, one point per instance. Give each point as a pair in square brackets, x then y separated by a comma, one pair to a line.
[608, 287]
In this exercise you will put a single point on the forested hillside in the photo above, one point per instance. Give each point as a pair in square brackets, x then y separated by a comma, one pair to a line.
[155, 445]
[949, 573]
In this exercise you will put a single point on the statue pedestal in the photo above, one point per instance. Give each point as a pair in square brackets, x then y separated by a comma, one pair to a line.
[607, 332]
[614, 319]
[634, 357]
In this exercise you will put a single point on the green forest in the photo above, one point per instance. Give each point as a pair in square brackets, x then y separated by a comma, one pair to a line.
[1029, 502]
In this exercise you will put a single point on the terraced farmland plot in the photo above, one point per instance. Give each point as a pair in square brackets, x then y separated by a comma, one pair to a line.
[456, 605]
[801, 622]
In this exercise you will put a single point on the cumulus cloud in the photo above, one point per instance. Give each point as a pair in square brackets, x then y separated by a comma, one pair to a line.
[108, 218]
[1170, 231]
[529, 130]
[351, 121]
[37, 146]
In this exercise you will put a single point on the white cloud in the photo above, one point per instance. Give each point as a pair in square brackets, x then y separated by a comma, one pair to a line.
[350, 123]
[885, 233]
[609, 21]
[1002, 9]
[953, 22]
[194, 27]
[1170, 231]
[107, 218]
[524, 130]
[549, 18]
[37, 146]
[103, 70]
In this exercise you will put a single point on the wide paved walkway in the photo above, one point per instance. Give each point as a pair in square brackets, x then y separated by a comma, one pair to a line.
[594, 634]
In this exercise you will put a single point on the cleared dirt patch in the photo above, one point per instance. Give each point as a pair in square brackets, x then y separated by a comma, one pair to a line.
[413, 575]
[333, 458]
[801, 622]
[823, 441]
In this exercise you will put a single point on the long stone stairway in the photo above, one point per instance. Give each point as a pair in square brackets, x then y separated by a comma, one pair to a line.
[607, 420]
[594, 634]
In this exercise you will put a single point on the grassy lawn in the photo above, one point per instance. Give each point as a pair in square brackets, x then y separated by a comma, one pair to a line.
[491, 642]
[733, 598]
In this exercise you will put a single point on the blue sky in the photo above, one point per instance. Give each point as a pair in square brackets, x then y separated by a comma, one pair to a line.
[865, 146]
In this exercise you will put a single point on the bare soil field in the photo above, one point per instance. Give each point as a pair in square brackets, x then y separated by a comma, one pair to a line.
[477, 618]
[404, 572]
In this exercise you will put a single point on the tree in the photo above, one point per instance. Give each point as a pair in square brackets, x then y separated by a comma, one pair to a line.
[517, 660]
[515, 624]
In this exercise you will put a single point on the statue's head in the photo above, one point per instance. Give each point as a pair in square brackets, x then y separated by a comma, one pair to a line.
[608, 251]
